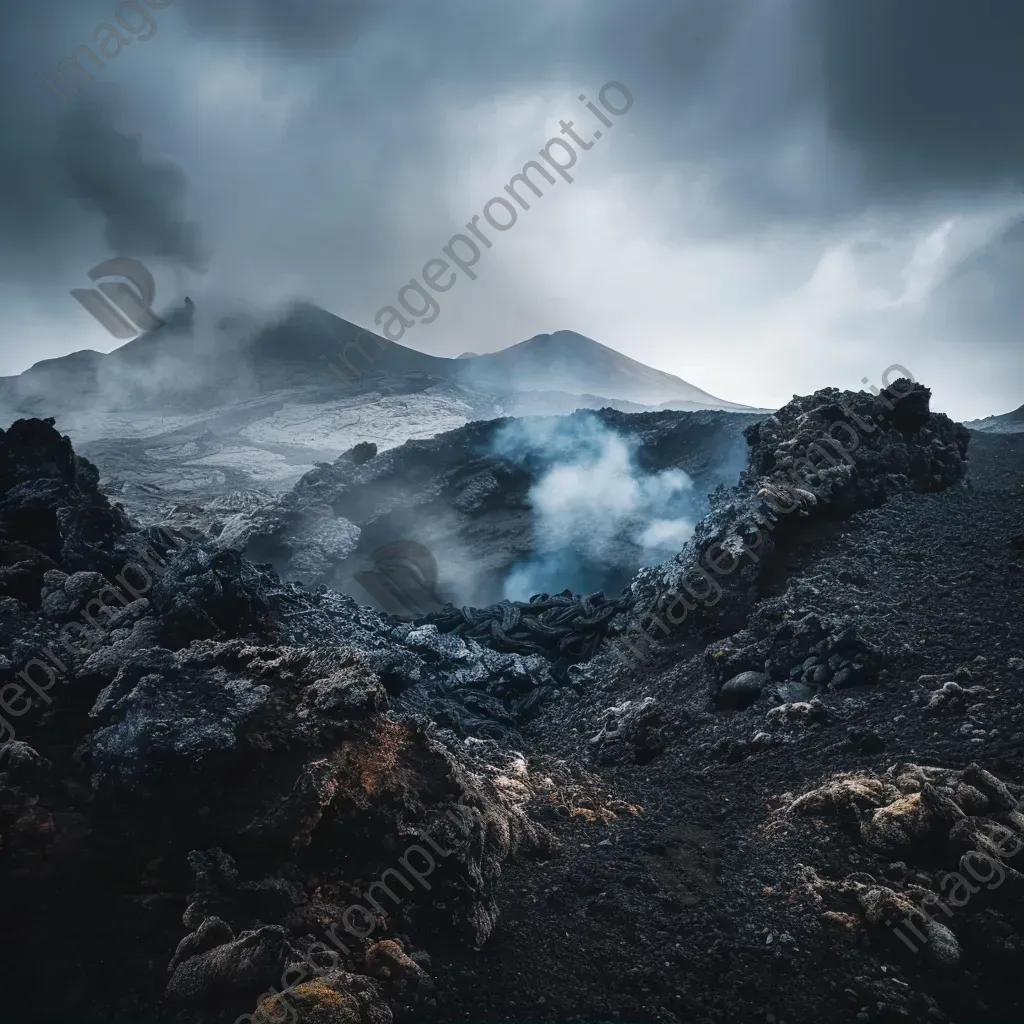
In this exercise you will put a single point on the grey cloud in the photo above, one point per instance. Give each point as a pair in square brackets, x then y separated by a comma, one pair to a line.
[929, 92]
[981, 297]
[304, 28]
[70, 181]
[729, 85]
[802, 114]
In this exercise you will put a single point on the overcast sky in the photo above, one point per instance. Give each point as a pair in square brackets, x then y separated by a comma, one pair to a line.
[803, 193]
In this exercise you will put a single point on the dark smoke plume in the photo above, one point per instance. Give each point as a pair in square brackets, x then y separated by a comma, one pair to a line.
[139, 199]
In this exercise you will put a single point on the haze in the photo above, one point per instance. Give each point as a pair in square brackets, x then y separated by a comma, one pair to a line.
[802, 194]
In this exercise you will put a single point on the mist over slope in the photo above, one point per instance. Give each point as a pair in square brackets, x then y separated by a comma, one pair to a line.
[217, 404]
[567, 361]
[200, 351]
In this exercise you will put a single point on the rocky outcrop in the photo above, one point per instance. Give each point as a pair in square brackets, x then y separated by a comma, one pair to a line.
[169, 722]
[51, 511]
[950, 838]
[791, 652]
[818, 459]
[633, 729]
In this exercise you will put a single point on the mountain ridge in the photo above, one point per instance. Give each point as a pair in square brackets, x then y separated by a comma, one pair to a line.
[309, 345]
[569, 361]
[1006, 423]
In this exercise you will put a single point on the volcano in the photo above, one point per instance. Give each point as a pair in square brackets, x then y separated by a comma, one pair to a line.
[306, 346]
[567, 361]
[237, 406]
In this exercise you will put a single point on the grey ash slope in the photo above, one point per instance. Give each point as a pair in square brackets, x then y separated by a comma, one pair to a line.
[1007, 423]
[567, 361]
[235, 409]
[729, 898]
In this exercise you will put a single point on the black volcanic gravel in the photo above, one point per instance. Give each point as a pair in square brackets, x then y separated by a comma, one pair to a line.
[636, 850]
[690, 911]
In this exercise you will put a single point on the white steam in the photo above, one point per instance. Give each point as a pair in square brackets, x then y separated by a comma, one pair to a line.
[597, 515]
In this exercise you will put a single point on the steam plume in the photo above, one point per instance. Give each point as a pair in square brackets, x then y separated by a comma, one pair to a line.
[597, 515]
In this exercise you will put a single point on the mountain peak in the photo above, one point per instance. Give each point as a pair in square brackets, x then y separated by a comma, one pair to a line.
[308, 345]
[561, 338]
[573, 363]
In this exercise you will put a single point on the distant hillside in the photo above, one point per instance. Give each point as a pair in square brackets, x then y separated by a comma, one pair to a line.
[205, 365]
[1008, 423]
[569, 362]
[198, 364]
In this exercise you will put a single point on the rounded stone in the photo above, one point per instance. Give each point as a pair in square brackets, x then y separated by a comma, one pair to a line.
[743, 690]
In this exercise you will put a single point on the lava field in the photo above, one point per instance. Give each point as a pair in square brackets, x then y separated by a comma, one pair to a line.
[773, 775]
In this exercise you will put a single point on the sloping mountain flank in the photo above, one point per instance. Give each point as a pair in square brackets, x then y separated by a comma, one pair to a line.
[200, 363]
[566, 361]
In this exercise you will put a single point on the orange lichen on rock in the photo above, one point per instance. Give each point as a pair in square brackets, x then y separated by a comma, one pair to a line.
[375, 764]
[844, 793]
[846, 926]
[898, 825]
[336, 998]
[621, 807]
[586, 806]
[602, 814]
[387, 960]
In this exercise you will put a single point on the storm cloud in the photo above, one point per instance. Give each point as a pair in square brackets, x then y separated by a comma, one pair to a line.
[804, 192]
